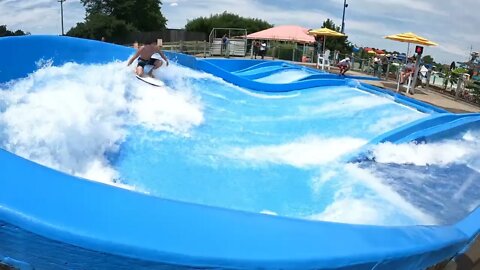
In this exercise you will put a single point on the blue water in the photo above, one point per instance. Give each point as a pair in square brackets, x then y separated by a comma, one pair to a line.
[285, 76]
[201, 140]
[449, 193]
[260, 152]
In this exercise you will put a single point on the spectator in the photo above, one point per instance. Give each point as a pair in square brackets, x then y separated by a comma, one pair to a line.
[408, 70]
[452, 65]
[256, 48]
[225, 42]
[263, 49]
[376, 65]
[384, 60]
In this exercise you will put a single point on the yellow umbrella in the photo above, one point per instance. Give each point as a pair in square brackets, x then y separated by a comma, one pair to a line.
[326, 33]
[411, 38]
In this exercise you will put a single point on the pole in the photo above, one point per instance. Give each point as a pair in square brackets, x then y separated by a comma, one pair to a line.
[61, 14]
[323, 48]
[408, 51]
[204, 49]
[343, 16]
[323, 53]
[459, 86]
[415, 75]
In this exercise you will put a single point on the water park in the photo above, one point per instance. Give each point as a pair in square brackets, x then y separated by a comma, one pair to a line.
[234, 158]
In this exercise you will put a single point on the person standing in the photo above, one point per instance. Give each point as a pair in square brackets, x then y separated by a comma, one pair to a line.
[256, 48]
[225, 42]
[263, 49]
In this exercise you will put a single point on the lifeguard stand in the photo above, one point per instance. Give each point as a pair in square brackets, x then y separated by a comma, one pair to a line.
[237, 45]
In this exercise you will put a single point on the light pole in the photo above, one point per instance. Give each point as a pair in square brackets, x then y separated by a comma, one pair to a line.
[61, 13]
[345, 5]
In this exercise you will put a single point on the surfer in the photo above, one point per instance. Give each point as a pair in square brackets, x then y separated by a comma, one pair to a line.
[344, 66]
[145, 54]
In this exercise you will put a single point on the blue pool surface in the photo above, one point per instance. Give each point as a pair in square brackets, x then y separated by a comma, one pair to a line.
[219, 152]
[253, 167]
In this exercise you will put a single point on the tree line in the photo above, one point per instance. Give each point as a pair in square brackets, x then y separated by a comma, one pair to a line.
[4, 32]
[112, 20]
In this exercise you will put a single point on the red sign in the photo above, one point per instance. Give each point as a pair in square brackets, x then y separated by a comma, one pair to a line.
[419, 50]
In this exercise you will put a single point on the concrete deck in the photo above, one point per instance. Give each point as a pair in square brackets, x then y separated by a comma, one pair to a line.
[470, 260]
[426, 95]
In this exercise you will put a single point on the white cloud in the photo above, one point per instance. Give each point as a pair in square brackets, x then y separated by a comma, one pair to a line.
[450, 23]
[40, 16]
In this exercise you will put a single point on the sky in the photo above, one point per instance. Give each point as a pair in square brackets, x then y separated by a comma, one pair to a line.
[452, 24]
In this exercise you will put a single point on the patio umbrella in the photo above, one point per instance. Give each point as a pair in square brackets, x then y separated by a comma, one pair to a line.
[325, 32]
[410, 37]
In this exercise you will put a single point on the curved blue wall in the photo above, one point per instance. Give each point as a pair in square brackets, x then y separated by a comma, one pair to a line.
[50, 220]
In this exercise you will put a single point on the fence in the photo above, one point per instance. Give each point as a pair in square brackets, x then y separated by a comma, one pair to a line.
[389, 70]
[197, 48]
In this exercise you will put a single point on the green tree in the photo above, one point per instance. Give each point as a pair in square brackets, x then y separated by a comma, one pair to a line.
[144, 15]
[226, 20]
[113, 19]
[4, 32]
[338, 43]
[452, 77]
[428, 59]
[99, 25]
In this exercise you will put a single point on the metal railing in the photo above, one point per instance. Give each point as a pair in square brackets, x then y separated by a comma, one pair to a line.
[197, 48]
[459, 89]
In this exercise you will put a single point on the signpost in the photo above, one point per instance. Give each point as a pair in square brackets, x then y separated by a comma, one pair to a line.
[419, 51]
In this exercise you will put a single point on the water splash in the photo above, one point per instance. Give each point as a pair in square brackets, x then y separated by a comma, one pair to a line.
[73, 117]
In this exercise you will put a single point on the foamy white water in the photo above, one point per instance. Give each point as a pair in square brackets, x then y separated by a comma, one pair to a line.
[442, 153]
[74, 118]
[285, 76]
[71, 117]
[304, 152]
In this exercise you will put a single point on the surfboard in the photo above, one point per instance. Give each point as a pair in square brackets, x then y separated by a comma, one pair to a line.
[151, 81]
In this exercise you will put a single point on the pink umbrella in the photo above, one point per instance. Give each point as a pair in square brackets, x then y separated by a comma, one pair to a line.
[291, 33]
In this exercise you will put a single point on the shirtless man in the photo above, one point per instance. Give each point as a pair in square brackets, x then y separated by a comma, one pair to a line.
[144, 55]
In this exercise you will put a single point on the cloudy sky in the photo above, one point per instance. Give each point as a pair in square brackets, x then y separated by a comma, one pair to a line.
[452, 24]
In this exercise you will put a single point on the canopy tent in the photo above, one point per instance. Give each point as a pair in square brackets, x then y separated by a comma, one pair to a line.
[410, 37]
[291, 33]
